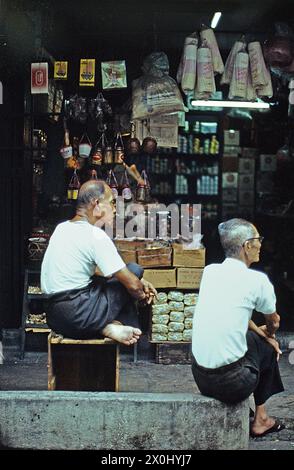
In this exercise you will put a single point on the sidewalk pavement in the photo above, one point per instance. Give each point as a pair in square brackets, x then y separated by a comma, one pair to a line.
[146, 376]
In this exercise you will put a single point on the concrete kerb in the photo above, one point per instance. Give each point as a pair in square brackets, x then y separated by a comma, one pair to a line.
[132, 421]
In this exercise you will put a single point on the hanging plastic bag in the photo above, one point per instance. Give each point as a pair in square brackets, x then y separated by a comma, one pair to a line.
[155, 92]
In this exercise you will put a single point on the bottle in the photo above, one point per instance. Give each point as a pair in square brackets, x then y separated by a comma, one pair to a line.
[73, 187]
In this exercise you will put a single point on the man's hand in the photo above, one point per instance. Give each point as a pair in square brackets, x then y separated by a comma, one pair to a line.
[149, 290]
[274, 343]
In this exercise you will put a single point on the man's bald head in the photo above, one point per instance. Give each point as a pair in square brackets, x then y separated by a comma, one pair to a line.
[91, 190]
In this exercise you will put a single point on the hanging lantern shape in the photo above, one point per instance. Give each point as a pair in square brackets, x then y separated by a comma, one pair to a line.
[73, 187]
[85, 146]
[126, 190]
[112, 183]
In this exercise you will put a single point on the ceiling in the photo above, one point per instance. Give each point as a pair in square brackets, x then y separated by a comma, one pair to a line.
[130, 29]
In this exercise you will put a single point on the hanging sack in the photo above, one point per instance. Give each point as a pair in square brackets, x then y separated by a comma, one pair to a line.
[133, 145]
[73, 187]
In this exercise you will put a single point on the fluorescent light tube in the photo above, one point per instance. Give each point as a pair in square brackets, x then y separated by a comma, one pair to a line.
[230, 104]
[215, 19]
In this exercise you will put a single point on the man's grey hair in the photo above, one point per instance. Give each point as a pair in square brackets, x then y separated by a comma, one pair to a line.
[233, 233]
[93, 189]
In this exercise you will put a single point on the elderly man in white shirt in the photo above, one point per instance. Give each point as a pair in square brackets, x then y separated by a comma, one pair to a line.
[232, 357]
[81, 305]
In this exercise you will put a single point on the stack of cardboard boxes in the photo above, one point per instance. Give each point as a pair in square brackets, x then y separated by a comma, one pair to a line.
[238, 178]
[165, 266]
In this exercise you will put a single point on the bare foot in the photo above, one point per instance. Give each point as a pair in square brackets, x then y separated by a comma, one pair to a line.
[122, 334]
[261, 425]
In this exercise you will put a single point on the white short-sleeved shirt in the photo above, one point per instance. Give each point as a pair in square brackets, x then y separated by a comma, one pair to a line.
[228, 294]
[74, 251]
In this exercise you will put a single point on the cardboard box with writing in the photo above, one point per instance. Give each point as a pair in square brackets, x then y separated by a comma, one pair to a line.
[161, 277]
[188, 258]
[189, 278]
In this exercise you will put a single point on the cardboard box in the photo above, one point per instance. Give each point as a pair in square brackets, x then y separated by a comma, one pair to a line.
[246, 197]
[231, 151]
[246, 166]
[229, 211]
[268, 162]
[161, 277]
[230, 195]
[230, 180]
[246, 212]
[153, 257]
[246, 181]
[231, 137]
[189, 278]
[188, 258]
[129, 244]
[230, 164]
[128, 256]
[249, 152]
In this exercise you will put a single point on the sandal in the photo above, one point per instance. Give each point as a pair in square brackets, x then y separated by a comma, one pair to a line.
[277, 427]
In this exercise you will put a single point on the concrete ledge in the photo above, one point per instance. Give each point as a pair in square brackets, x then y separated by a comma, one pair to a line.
[132, 421]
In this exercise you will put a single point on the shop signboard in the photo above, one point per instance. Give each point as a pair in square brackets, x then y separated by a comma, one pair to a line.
[60, 70]
[39, 77]
[87, 72]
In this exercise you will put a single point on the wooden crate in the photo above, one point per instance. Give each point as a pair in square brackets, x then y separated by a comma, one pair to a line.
[154, 257]
[82, 365]
[173, 353]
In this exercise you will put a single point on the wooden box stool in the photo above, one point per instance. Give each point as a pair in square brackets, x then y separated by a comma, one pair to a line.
[82, 365]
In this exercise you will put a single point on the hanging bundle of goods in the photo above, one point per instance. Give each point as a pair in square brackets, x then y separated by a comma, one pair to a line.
[246, 73]
[155, 92]
[239, 46]
[186, 74]
[126, 190]
[133, 144]
[239, 80]
[198, 66]
[205, 85]
[207, 35]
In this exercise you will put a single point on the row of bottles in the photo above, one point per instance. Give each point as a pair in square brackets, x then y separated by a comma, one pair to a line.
[159, 165]
[163, 188]
[207, 185]
[181, 184]
[205, 145]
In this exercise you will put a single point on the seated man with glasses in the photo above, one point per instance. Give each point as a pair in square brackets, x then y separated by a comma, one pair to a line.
[81, 305]
[232, 357]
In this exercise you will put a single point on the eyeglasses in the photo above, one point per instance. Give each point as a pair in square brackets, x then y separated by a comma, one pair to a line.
[260, 239]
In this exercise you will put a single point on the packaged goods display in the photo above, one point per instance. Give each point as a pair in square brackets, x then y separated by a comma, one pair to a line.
[173, 319]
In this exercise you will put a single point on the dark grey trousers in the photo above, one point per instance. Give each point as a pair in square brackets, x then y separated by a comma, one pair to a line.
[257, 372]
[83, 313]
